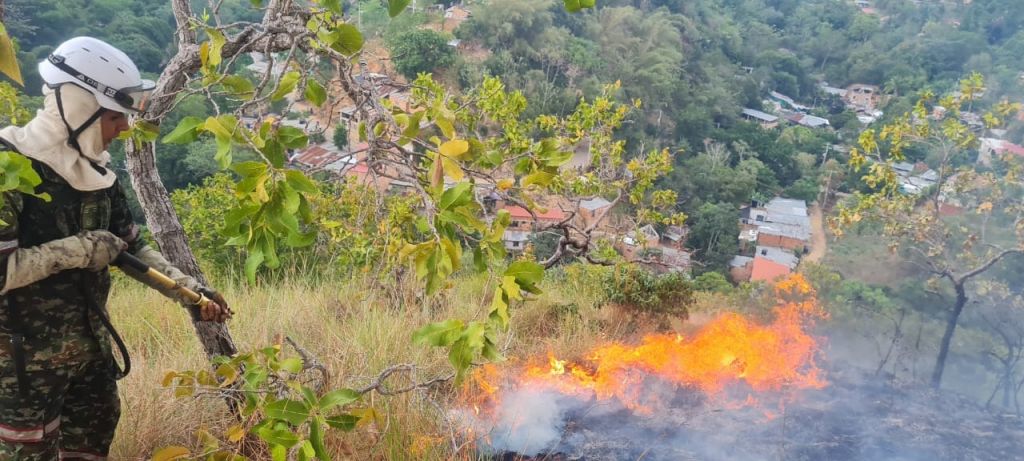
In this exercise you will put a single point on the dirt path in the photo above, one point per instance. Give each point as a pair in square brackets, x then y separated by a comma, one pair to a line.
[819, 244]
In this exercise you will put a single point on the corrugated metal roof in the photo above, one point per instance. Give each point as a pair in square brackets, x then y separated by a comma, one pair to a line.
[778, 255]
[595, 203]
[760, 115]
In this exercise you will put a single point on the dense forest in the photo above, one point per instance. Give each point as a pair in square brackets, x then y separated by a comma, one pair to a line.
[665, 95]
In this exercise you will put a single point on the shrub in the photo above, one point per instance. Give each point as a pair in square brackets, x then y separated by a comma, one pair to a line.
[646, 293]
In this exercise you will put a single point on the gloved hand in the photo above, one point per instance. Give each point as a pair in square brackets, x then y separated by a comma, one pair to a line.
[101, 247]
[217, 310]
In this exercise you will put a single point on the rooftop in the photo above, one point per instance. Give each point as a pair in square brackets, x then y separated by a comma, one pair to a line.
[767, 271]
[552, 214]
[594, 204]
[777, 255]
[765, 117]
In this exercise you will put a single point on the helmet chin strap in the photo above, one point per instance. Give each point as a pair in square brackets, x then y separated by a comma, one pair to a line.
[73, 134]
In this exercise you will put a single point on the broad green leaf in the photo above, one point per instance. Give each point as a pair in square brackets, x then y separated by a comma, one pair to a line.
[279, 452]
[253, 262]
[274, 152]
[285, 86]
[223, 155]
[457, 196]
[527, 272]
[280, 437]
[540, 178]
[292, 138]
[185, 132]
[247, 169]
[292, 411]
[315, 92]
[334, 6]
[171, 453]
[316, 439]
[574, 6]
[499, 308]
[440, 333]
[8, 58]
[446, 126]
[300, 182]
[222, 126]
[338, 397]
[344, 422]
[292, 365]
[239, 86]
[396, 7]
[217, 42]
[346, 39]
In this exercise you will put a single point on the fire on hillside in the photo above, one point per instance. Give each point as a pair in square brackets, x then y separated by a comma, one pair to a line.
[737, 389]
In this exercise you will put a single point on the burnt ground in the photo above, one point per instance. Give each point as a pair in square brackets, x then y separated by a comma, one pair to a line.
[857, 417]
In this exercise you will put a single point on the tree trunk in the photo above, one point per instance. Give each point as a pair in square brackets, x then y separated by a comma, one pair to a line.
[170, 237]
[947, 338]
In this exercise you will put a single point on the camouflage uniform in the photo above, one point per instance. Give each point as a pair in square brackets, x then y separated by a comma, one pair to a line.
[66, 405]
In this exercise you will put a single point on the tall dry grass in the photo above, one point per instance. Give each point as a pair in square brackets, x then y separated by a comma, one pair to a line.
[357, 328]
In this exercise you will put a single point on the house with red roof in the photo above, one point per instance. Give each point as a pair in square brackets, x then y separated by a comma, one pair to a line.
[992, 147]
[519, 231]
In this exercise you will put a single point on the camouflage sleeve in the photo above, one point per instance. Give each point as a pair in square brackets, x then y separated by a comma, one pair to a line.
[121, 222]
[9, 209]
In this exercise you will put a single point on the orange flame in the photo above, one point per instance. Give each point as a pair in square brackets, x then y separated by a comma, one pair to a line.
[731, 349]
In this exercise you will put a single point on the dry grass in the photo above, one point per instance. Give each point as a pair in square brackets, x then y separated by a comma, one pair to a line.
[356, 331]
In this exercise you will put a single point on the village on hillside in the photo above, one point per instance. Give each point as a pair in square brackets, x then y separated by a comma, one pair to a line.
[775, 233]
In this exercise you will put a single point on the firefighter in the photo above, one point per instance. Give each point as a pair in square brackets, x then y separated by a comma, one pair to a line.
[58, 391]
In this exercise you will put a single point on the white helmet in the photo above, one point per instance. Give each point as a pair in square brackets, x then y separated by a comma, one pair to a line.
[105, 71]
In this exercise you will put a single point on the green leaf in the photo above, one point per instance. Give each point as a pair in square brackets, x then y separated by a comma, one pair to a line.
[396, 7]
[285, 86]
[217, 42]
[292, 411]
[300, 182]
[540, 178]
[346, 39]
[316, 439]
[574, 6]
[292, 365]
[292, 138]
[439, 334]
[249, 169]
[526, 272]
[499, 308]
[338, 397]
[8, 58]
[223, 155]
[315, 92]
[334, 6]
[279, 452]
[280, 437]
[253, 262]
[447, 129]
[459, 195]
[186, 131]
[344, 422]
[239, 86]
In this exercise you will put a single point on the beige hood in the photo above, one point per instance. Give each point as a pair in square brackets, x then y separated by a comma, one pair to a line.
[45, 138]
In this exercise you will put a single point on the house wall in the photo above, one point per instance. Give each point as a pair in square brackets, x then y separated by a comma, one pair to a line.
[741, 274]
[788, 243]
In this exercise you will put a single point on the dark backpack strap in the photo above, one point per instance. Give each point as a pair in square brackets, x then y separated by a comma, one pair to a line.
[14, 323]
